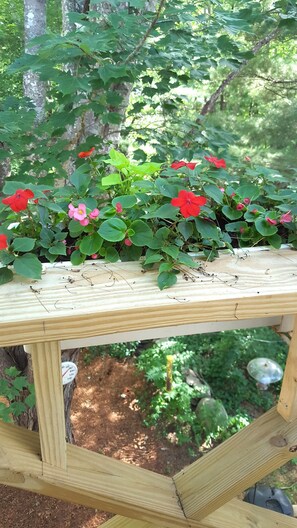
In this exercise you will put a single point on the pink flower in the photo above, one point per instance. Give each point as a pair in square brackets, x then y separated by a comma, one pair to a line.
[241, 229]
[84, 222]
[94, 256]
[119, 207]
[232, 195]
[71, 210]
[271, 220]
[254, 211]
[218, 163]
[240, 206]
[93, 214]
[222, 189]
[247, 158]
[80, 212]
[247, 201]
[286, 217]
[128, 242]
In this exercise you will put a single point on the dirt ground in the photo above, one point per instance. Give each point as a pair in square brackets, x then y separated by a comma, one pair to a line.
[107, 420]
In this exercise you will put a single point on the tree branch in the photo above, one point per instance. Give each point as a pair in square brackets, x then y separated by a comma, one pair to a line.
[210, 103]
[148, 31]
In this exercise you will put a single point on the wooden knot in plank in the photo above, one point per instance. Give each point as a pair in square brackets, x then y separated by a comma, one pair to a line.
[278, 441]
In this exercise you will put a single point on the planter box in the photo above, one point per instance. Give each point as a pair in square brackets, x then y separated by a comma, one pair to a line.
[118, 302]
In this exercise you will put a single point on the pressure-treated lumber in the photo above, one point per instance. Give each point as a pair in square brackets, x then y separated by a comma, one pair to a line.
[98, 298]
[46, 362]
[287, 405]
[235, 514]
[238, 463]
[91, 479]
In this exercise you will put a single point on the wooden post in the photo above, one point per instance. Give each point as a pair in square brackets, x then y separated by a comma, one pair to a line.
[46, 361]
[287, 405]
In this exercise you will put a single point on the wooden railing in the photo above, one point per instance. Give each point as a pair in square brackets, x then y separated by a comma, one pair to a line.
[103, 303]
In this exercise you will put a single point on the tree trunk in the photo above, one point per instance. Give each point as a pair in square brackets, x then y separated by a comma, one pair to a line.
[210, 103]
[16, 357]
[34, 26]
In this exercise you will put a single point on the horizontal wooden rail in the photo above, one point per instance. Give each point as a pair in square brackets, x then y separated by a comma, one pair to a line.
[98, 299]
[235, 514]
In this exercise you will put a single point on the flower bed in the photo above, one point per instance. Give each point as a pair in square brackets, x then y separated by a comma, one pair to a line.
[147, 211]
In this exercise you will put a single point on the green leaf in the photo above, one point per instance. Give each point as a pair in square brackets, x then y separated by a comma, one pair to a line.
[28, 265]
[20, 382]
[75, 228]
[143, 234]
[166, 279]
[90, 244]
[186, 229]
[6, 258]
[77, 258]
[264, 228]
[167, 189]
[6, 275]
[187, 260]
[231, 213]
[23, 244]
[172, 251]
[117, 159]
[207, 229]
[127, 201]
[80, 178]
[111, 254]
[113, 230]
[275, 241]
[155, 257]
[165, 211]
[145, 169]
[248, 190]
[214, 192]
[235, 227]
[30, 400]
[58, 249]
[111, 179]
[112, 71]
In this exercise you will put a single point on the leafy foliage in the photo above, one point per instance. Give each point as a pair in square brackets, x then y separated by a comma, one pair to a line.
[12, 389]
[160, 215]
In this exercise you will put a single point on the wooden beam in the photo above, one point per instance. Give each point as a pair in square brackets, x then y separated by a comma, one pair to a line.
[235, 514]
[255, 451]
[64, 304]
[46, 362]
[91, 480]
[287, 405]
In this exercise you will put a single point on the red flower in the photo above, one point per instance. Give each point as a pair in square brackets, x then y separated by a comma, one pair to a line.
[3, 242]
[247, 201]
[18, 201]
[128, 242]
[86, 153]
[188, 203]
[271, 221]
[218, 163]
[178, 164]
[240, 206]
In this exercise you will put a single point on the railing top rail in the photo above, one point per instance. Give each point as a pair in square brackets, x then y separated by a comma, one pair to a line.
[99, 298]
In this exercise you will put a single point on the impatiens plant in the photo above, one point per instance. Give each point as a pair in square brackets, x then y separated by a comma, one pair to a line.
[115, 209]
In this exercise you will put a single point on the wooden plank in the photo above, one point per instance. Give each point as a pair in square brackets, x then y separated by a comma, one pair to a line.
[238, 463]
[96, 299]
[91, 479]
[190, 329]
[235, 514]
[287, 405]
[46, 362]
[97, 481]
